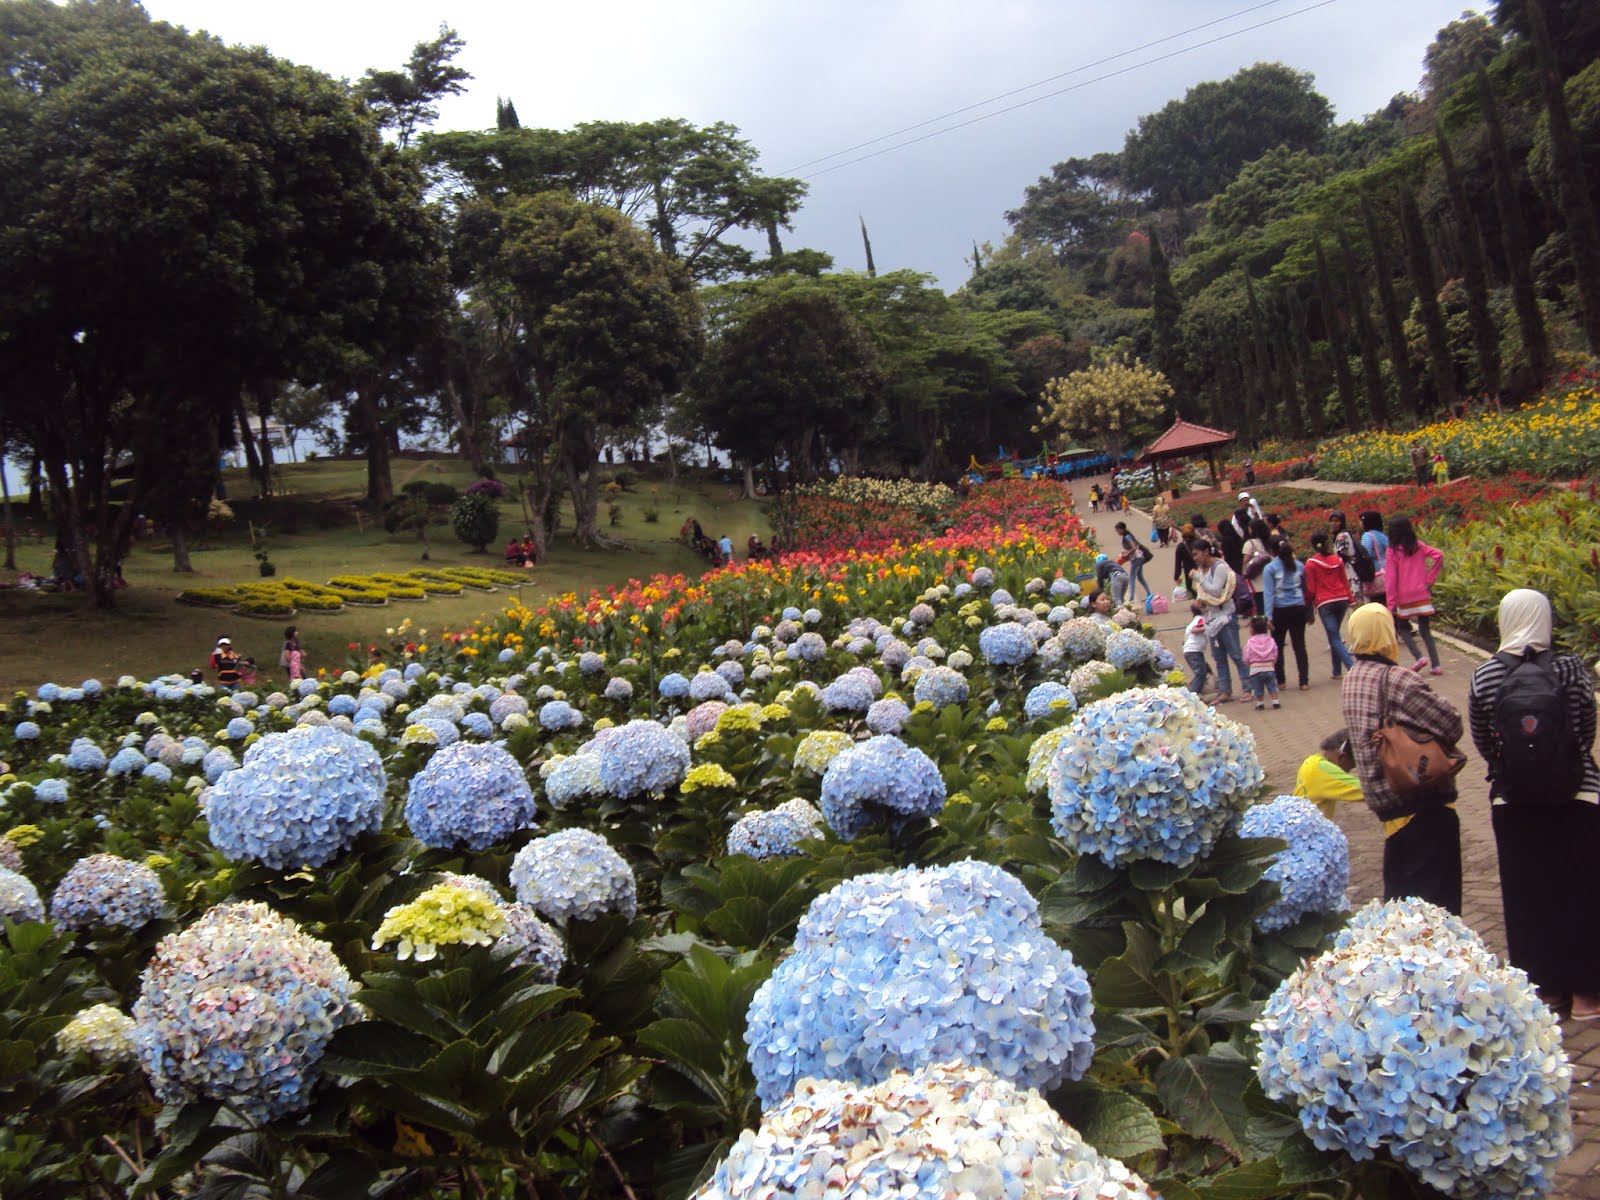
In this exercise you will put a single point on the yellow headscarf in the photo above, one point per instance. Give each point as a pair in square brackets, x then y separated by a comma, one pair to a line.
[1372, 632]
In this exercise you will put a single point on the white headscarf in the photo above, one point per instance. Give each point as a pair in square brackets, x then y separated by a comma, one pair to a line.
[1525, 622]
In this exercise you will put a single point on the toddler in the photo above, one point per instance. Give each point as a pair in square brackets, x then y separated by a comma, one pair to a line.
[1261, 656]
[1194, 649]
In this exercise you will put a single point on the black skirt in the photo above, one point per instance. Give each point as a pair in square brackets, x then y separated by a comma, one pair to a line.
[1549, 885]
[1424, 859]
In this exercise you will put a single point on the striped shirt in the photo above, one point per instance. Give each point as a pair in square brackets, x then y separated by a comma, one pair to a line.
[1484, 697]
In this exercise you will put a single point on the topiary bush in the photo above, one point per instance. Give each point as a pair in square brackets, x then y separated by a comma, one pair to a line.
[476, 519]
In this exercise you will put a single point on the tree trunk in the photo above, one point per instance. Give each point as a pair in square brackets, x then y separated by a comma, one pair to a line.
[468, 432]
[380, 481]
[1310, 386]
[1366, 336]
[1419, 265]
[35, 508]
[578, 458]
[749, 481]
[1393, 333]
[11, 529]
[1288, 387]
[1572, 192]
[264, 406]
[1336, 343]
[180, 550]
[1474, 270]
[1514, 235]
[248, 441]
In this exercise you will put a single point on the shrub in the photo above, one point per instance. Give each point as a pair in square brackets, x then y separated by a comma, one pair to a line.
[491, 488]
[439, 493]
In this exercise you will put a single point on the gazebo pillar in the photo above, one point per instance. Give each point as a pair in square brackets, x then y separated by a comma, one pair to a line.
[1211, 459]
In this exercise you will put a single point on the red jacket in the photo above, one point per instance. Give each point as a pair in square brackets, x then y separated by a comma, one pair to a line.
[1326, 580]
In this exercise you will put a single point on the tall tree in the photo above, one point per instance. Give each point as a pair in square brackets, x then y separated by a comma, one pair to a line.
[1166, 309]
[1474, 268]
[1514, 239]
[1366, 335]
[1394, 336]
[1311, 383]
[1572, 190]
[1333, 329]
[1107, 403]
[1079, 211]
[406, 100]
[1267, 385]
[1282, 344]
[1419, 266]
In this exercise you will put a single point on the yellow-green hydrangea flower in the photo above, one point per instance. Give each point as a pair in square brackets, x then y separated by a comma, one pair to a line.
[446, 914]
[996, 725]
[819, 748]
[24, 836]
[707, 775]
[740, 719]
[775, 712]
[419, 735]
[104, 1033]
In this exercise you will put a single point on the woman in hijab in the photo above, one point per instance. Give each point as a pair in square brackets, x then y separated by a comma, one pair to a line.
[1183, 559]
[1231, 542]
[1548, 883]
[1422, 834]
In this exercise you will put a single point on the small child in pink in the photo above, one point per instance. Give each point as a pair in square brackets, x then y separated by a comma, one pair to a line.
[1261, 657]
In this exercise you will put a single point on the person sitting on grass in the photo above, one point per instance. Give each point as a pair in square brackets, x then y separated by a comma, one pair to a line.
[1325, 777]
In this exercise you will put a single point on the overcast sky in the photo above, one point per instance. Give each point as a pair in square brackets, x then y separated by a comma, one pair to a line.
[809, 78]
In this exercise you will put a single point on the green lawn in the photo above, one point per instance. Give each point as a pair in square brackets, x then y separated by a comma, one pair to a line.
[64, 639]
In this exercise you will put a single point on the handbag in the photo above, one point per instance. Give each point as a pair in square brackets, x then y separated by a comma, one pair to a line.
[1410, 765]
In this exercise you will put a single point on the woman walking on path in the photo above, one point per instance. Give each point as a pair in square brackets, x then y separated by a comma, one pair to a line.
[1376, 543]
[1283, 583]
[1344, 545]
[1410, 569]
[1134, 554]
[1214, 582]
[1421, 831]
[1546, 819]
[1161, 518]
[1327, 590]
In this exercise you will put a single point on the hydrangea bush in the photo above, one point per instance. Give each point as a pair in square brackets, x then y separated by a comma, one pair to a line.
[470, 794]
[879, 781]
[573, 875]
[1312, 871]
[102, 890]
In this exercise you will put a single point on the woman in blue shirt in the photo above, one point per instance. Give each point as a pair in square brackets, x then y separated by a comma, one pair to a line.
[1376, 543]
[1285, 606]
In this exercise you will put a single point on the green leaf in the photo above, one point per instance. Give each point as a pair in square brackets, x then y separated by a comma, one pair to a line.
[1259, 1180]
[1130, 980]
[372, 1050]
[1150, 876]
[1114, 1123]
[191, 1136]
[340, 1177]
[1301, 1162]
[741, 922]
[689, 1049]
[1205, 1095]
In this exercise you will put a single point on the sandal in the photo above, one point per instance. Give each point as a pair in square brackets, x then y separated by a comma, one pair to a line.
[1223, 698]
[1305, 687]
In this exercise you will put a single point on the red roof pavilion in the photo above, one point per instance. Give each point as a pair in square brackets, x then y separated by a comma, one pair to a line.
[1187, 440]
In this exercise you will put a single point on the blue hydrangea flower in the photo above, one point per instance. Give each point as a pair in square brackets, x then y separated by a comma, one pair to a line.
[505, 705]
[506, 655]
[1083, 638]
[103, 890]
[775, 833]
[341, 706]
[51, 791]
[26, 731]
[469, 794]
[240, 728]
[84, 755]
[982, 577]
[1312, 872]
[808, 647]
[1085, 679]
[537, 944]
[478, 724]
[1048, 699]
[126, 761]
[300, 799]
[1410, 1037]
[19, 899]
[732, 673]
[791, 613]
[888, 716]
[1000, 597]
[618, 688]
[894, 653]
[218, 762]
[936, 1133]
[591, 663]
[708, 685]
[642, 758]
[940, 687]
[1151, 773]
[573, 777]
[556, 715]
[917, 967]
[91, 687]
[1008, 645]
[574, 874]
[1128, 649]
[673, 686]
[49, 692]
[879, 781]
[847, 694]
[1064, 588]
[158, 772]
[240, 1007]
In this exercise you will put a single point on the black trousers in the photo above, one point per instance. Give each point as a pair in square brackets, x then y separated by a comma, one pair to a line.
[1424, 859]
[1289, 623]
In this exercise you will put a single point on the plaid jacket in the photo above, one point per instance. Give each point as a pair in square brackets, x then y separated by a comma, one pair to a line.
[1411, 703]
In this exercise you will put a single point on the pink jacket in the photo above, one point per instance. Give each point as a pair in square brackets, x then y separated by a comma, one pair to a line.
[1409, 577]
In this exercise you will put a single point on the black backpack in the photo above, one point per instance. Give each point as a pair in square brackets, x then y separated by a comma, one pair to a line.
[1541, 763]
[1361, 562]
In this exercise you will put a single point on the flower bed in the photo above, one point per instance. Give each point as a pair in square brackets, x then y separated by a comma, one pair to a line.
[976, 808]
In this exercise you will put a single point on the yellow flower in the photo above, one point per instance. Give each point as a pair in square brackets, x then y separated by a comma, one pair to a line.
[23, 836]
[707, 775]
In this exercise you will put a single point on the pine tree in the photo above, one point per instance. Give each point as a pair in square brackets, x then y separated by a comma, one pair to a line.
[1474, 270]
[1311, 387]
[1336, 344]
[1366, 335]
[1394, 335]
[1514, 234]
[1166, 308]
[1566, 156]
[1419, 266]
[1284, 367]
[1263, 358]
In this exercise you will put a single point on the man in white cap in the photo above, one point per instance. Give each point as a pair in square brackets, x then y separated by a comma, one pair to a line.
[223, 645]
[1246, 500]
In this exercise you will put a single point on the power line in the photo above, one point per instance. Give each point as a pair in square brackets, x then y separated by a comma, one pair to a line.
[1099, 62]
[1060, 91]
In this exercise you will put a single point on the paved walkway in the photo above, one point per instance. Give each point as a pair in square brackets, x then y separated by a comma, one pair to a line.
[1286, 736]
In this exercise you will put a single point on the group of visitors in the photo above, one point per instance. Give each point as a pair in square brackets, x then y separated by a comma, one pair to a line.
[522, 554]
[1112, 497]
[719, 552]
[1428, 467]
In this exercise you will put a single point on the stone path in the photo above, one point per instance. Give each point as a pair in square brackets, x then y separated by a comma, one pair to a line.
[1286, 736]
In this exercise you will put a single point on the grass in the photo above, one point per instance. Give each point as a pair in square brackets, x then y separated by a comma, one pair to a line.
[65, 639]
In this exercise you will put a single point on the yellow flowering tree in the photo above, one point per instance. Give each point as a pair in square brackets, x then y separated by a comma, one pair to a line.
[1104, 402]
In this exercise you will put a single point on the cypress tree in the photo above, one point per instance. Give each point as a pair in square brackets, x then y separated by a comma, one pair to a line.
[1366, 336]
[1419, 266]
[1336, 344]
[1166, 308]
[1311, 388]
[1566, 156]
[1514, 234]
[1252, 396]
[1474, 270]
[1394, 335]
[1263, 358]
[1283, 365]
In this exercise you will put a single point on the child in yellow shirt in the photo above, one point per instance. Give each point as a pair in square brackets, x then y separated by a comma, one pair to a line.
[1325, 778]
